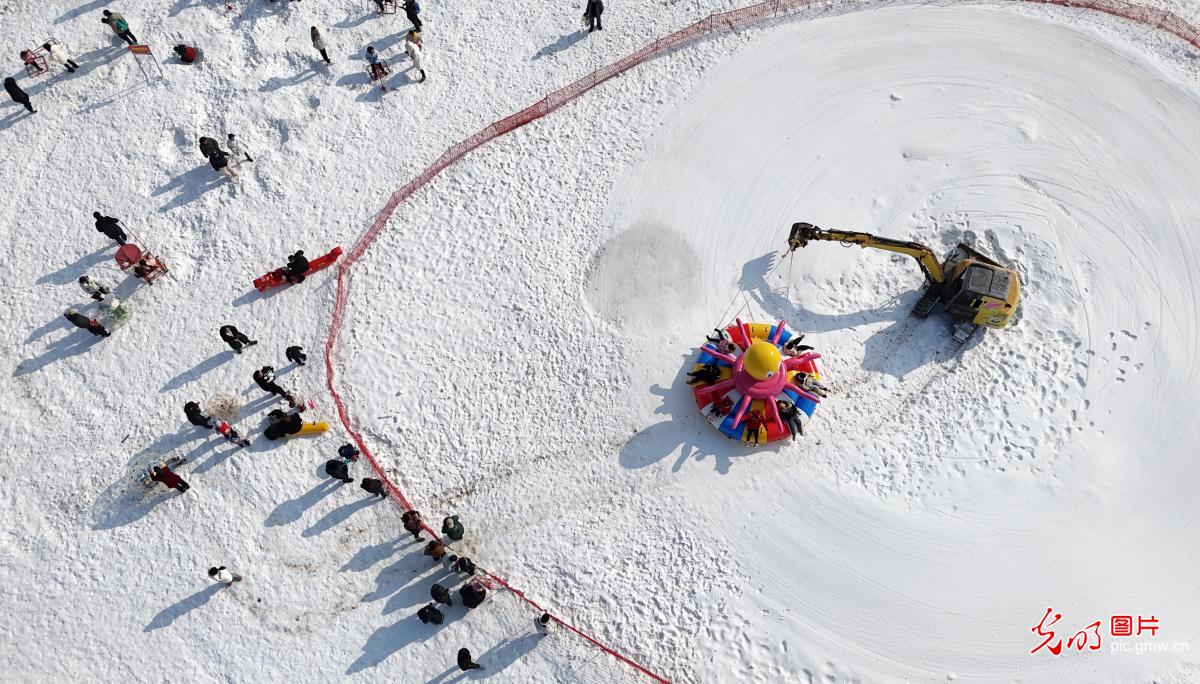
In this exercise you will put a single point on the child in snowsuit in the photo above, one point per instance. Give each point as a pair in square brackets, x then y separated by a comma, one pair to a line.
[221, 574]
[473, 594]
[429, 614]
[791, 417]
[19, 96]
[374, 486]
[230, 435]
[295, 355]
[441, 594]
[186, 53]
[591, 13]
[195, 416]
[452, 528]
[265, 378]
[110, 226]
[116, 22]
[464, 660]
[59, 54]
[378, 67]
[90, 324]
[411, 10]
[542, 624]
[319, 43]
[754, 424]
[338, 470]
[706, 375]
[32, 67]
[235, 339]
[412, 523]
[94, 289]
[416, 52]
[163, 474]
[297, 266]
[236, 148]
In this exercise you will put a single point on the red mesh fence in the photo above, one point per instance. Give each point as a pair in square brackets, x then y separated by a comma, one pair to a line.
[722, 21]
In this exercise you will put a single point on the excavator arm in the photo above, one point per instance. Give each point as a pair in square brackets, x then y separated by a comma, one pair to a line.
[803, 233]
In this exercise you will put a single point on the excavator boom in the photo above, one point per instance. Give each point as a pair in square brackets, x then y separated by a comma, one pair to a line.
[803, 233]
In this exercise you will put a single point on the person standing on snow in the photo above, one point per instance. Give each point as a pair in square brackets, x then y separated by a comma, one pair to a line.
[374, 486]
[473, 594]
[412, 523]
[265, 378]
[338, 469]
[416, 52]
[412, 10]
[19, 96]
[220, 164]
[592, 13]
[196, 417]
[441, 594]
[110, 227]
[209, 147]
[464, 565]
[429, 614]
[235, 338]
[318, 42]
[435, 550]
[542, 624]
[116, 22]
[59, 54]
[89, 324]
[464, 660]
[96, 290]
[236, 149]
[163, 474]
[221, 574]
[296, 355]
[452, 528]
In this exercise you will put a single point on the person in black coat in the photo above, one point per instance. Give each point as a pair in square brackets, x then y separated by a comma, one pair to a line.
[473, 594]
[265, 378]
[220, 164]
[441, 594]
[374, 486]
[412, 523]
[296, 355]
[592, 13]
[195, 416]
[429, 614]
[282, 424]
[19, 96]
[705, 375]
[110, 227]
[338, 470]
[464, 660]
[89, 324]
[235, 339]
[208, 147]
[791, 417]
[297, 266]
[412, 10]
[464, 565]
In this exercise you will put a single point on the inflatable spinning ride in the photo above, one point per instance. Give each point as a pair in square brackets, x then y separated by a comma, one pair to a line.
[752, 367]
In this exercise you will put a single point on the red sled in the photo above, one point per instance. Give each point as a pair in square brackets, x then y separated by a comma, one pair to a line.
[276, 278]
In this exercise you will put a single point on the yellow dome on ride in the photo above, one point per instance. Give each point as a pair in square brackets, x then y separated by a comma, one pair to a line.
[762, 360]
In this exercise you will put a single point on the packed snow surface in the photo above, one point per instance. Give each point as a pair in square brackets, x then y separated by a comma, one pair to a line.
[516, 340]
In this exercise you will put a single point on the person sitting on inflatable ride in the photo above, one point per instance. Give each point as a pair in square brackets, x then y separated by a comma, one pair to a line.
[283, 424]
[805, 382]
[722, 406]
[791, 417]
[793, 347]
[722, 340]
[706, 375]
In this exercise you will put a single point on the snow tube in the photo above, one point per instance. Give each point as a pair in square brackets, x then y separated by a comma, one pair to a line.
[753, 376]
[318, 428]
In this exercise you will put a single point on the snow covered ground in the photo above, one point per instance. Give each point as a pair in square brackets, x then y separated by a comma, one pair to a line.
[516, 339]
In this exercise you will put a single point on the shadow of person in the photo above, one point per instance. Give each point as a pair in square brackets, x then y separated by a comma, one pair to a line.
[189, 186]
[387, 640]
[197, 371]
[216, 459]
[172, 613]
[415, 593]
[559, 45]
[499, 657]
[94, 5]
[337, 516]
[290, 511]
[351, 21]
[367, 556]
[71, 272]
[48, 327]
[73, 344]
[276, 82]
[125, 501]
[182, 5]
[13, 117]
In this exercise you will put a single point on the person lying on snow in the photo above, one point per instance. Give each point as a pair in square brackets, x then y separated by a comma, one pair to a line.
[282, 424]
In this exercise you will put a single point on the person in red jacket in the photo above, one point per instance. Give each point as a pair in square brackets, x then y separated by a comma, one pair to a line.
[186, 53]
[754, 424]
[163, 474]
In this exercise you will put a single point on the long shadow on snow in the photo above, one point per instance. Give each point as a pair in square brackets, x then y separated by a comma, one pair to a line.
[338, 516]
[499, 657]
[189, 186]
[94, 5]
[559, 45]
[182, 5]
[276, 82]
[195, 372]
[73, 344]
[290, 511]
[13, 117]
[71, 272]
[127, 500]
[172, 613]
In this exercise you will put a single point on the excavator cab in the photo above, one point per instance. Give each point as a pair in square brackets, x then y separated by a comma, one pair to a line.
[971, 287]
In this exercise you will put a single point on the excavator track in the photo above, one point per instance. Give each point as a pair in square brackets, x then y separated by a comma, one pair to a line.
[925, 304]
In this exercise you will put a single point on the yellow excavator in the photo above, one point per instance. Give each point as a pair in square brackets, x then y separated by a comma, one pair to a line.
[972, 288]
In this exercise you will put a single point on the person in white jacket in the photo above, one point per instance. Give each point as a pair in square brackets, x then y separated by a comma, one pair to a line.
[237, 149]
[221, 574]
[95, 289]
[416, 51]
[59, 54]
[318, 42]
